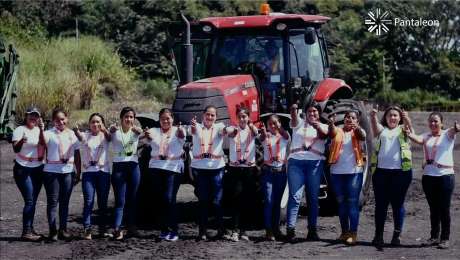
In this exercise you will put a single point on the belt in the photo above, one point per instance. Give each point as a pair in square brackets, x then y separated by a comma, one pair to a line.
[309, 149]
[440, 166]
[166, 158]
[241, 162]
[208, 156]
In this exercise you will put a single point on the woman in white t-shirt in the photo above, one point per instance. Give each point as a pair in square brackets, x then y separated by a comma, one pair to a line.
[94, 152]
[240, 172]
[29, 146]
[347, 160]
[273, 178]
[166, 165]
[438, 175]
[61, 172]
[305, 167]
[392, 170]
[126, 174]
[208, 168]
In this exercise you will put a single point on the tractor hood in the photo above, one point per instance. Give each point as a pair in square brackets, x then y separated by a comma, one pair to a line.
[226, 93]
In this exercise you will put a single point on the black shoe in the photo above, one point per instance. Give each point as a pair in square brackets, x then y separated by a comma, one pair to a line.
[312, 235]
[378, 241]
[396, 239]
[63, 234]
[28, 235]
[433, 241]
[220, 235]
[118, 234]
[278, 234]
[53, 235]
[290, 235]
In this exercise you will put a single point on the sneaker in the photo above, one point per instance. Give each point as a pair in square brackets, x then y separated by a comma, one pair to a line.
[244, 236]
[344, 236]
[202, 237]
[63, 234]
[235, 237]
[118, 234]
[278, 234]
[312, 235]
[172, 237]
[431, 242]
[269, 235]
[396, 239]
[87, 234]
[290, 234]
[163, 235]
[53, 235]
[30, 236]
[444, 244]
[351, 239]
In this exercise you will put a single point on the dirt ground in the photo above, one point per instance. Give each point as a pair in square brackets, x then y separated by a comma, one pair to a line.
[416, 228]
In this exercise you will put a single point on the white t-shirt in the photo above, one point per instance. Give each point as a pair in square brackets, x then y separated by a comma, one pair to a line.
[247, 151]
[277, 150]
[216, 148]
[60, 145]
[172, 147]
[95, 148]
[29, 149]
[346, 164]
[124, 146]
[390, 150]
[444, 154]
[304, 134]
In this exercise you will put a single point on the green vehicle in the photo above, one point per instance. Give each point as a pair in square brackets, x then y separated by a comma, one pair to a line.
[9, 64]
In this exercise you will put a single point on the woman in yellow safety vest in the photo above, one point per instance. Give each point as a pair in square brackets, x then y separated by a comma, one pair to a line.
[438, 175]
[392, 170]
[346, 162]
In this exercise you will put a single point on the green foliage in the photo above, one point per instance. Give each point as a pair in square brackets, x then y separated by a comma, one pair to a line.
[160, 89]
[410, 99]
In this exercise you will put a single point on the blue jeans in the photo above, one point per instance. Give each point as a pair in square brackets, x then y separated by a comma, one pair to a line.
[438, 191]
[390, 187]
[304, 173]
[209, 190]
[273, 185]
[29, 182]
[166, 184]
[58, 187]
[95, 182]
[126, 177]
[347, 188]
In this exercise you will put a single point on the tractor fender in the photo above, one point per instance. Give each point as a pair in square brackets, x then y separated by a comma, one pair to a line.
[331, 87]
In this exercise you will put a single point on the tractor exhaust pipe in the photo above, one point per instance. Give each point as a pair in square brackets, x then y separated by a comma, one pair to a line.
[187, 54]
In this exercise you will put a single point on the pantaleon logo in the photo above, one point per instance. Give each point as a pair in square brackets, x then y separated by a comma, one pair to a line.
[378, 22]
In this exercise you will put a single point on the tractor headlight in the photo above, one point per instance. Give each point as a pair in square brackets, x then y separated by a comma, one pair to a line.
[207, 28]
[281, 26]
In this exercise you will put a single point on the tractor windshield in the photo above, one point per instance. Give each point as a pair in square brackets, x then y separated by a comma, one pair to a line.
[262, 55]
[308, 63]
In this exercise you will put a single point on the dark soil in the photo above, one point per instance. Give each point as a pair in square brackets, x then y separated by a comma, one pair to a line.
[416, 228]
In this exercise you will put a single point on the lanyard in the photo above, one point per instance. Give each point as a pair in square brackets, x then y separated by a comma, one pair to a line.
[269, 146]
[209, 143]
[128, 144]
[64, 157]
[306, 138]
[433, 149]
[243, 156]
[164, 142]
[99, 148]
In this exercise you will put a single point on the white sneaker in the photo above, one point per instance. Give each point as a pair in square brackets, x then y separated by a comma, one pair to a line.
[172, 237]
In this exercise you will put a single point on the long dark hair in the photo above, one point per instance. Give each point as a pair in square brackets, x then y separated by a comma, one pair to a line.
[96, 114]
[383, 121]
[126, 110]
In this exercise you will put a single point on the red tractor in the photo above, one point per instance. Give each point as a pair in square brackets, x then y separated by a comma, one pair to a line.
[263, 62]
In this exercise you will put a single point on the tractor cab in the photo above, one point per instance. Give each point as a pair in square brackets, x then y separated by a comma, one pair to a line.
[284, 54]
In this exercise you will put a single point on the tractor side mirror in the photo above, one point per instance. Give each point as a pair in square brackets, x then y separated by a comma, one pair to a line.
[310, 36]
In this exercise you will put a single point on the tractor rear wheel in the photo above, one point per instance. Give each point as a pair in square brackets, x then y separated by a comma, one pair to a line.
[339, 107]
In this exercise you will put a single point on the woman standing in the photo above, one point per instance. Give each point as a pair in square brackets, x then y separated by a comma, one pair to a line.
[241, 170]
[392, 170]
[125, 171]
[276, 141]
[305, 167]
[96, 171]
[208, 168]
[166, 166]
[28, 145]
[346, 159]
[438, 175]
[62, 171]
